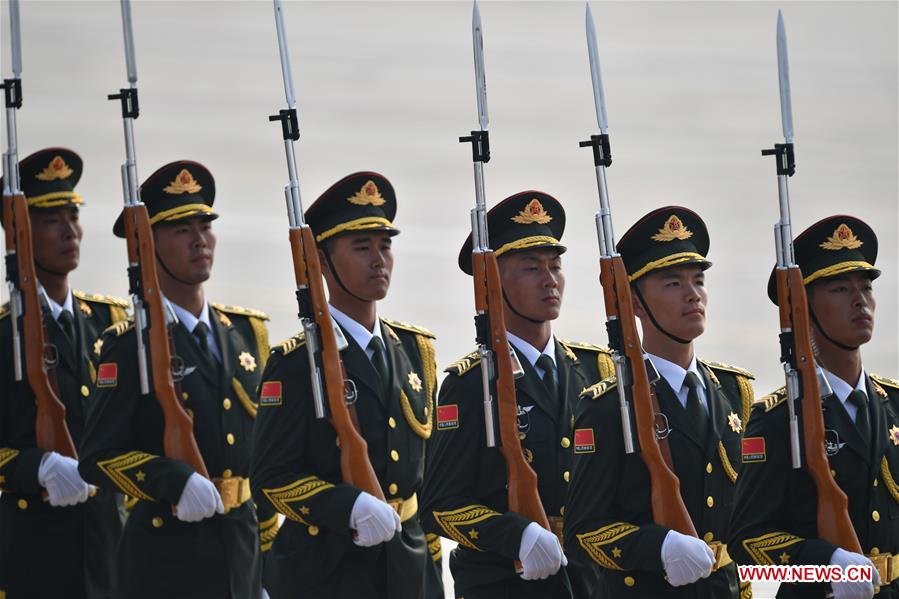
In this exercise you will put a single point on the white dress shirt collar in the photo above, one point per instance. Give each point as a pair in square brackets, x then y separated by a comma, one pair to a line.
[675, 376]
[532, 353]
[841, 390]
[361, 335]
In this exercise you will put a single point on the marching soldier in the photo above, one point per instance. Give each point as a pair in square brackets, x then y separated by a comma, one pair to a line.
[186, 536]
[774, 513]
[337, 540]
[72, 533]
[703, 406]
[465, 495]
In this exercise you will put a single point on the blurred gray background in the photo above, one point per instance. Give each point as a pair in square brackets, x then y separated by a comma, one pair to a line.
[692, 97]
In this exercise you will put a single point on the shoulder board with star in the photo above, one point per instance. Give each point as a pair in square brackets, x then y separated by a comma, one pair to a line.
[728, 368]
[240, 311]
[102, 299]
[405, 326]
[885, 381]
[289, 345]
[585, 346]
[463, 365]
[772, 400]
[596, 391]
[120, 328]
[4, 310]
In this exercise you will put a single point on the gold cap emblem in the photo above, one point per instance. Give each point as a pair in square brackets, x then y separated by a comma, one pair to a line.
[183, 183]
[674, 228]
[533, 213]
[842, 238]
[57, 169]
[367, 196]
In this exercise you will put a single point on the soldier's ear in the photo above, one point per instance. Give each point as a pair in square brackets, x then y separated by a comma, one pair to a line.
[325, 264]
[637, 305]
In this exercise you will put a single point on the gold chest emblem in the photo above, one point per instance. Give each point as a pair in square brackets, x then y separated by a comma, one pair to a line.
[894, 435]
[57, 169]
[674, 228]
[533, 213]
[247, 361]
[415, 381]
[735, 423]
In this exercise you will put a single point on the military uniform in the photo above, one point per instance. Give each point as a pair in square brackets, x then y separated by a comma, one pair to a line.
[465, 496]
[609, 522]
[296, 457]
[775, 511]
[53, 551]
[159, 555]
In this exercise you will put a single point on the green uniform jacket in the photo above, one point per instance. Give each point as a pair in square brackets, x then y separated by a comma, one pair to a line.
[774, 519]
[296, 470]
[159, 555]
[53, 551]
[465, 497]
[609, 514]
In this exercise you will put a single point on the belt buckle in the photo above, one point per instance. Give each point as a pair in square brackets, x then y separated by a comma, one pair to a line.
[887, 566]
[397, 505]
[229, 489]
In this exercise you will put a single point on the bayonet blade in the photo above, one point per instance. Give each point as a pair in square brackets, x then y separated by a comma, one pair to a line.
[286, 70]
[480, 80]
[130, 59]
[783, 74]
[15, 39]
[599, 97]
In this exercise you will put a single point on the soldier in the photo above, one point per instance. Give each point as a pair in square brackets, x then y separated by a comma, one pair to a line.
[186, 536]
[774, 519]
[465, 493]
[703, 407]
[73, 532]
[337, 540]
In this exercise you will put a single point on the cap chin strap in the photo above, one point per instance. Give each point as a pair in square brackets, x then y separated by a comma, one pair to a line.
[169, 272]
[652, 318]
[337, 276]
[517, 313]
[824, 334]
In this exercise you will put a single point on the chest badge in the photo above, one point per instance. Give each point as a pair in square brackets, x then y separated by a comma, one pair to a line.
[894, 435]
[247, 361]
[415, 382]
[524, 418]
[735, 423]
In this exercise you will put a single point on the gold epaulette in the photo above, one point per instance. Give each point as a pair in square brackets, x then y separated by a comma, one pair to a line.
[586, 346]
[102, 299]
[4, 310]
[772, 400]
[241, 311]
[288, 345]
[120, 328]
[885, 381]
[597, 390]
[405, 326]
[728, 368]
[463, 365]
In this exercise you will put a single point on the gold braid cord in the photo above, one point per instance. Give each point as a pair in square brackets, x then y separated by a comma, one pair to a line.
[244, 398]
[434, 547]
[467, 516]
[592, 542]
[117, 468]
[262, 345]
[606, 365]
[268, 529]
[747, 396]
[759, 547]
[117, 314]
[887, 479]
[93, 372]
[728, 469]
[297, 491]
[429, 365]
[745, 590]
[7, 454]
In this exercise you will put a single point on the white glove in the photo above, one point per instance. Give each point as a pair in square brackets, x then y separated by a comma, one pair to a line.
[686, 559]
[264, 593]
[373, 520]
[852, 590]
[540, 553]
[59, 475]
[199, 499]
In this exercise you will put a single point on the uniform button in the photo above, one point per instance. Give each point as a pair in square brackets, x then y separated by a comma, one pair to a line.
[157, 522]
[230, 438]
[875, 482]
[522, 436]
[708, 467]
[184, 395]
[562, 511]
[85, 391]
[394, 455]
[566, 475]
[629, 581]
[313, 530]
[392, 489]
[93, 491]
[708, 537]
[875, 515]
[833, 473]
[710, 501]
[875, 550]
[226, 403]
[23, 505]
[566, 442]
[227, 473]
[337, 441]
[427, 410]
[391, 422]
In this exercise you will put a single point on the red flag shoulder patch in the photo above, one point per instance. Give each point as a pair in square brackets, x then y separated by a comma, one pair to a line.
[448, 417]
[270, 394]
[584, 440]
[108, 374]
[754, 450]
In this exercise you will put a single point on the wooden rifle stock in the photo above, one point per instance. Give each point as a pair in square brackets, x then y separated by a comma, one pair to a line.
[667, 505]
[355, 467]
[178, 436]
[51, 432]
[834, 524]
[524, 497]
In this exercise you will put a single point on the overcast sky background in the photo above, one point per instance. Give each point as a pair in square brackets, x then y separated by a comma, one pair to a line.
[692, 97]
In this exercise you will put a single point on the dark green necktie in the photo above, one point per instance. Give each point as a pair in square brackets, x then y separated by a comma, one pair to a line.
[379, 361]
[697, 412]
[67, 322]
[862, 418]
[546, 364]
[201, 332]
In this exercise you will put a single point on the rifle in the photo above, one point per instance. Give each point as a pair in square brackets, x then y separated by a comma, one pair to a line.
[51, 432]
[631, 371]
[151, 316]
[498, 362]
[324, 341]
[805, 381]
